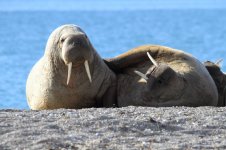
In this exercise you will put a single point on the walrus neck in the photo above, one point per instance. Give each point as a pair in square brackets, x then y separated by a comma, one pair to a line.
[105, 80]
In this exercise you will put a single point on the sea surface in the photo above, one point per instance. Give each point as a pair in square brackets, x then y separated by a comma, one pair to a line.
[23, 36]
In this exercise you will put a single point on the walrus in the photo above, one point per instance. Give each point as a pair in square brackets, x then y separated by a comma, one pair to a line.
[71, 74]
[170, 78]
[220, 80]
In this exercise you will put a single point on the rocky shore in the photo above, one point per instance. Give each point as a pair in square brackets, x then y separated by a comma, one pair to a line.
[114, 128]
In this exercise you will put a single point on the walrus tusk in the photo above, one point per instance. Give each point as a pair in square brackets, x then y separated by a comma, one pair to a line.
[69, 72]
[219, 62]
[141, 75]
[152, 60]
[87, 70]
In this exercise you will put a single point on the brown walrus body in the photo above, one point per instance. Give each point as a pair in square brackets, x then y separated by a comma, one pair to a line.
[60, 80]
[220, 80]
[178, 79]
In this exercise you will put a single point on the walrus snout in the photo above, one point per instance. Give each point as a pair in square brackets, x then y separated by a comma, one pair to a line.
[76, 40]
[75, 48]
[159, 75]
[162, 70]
[153, 62]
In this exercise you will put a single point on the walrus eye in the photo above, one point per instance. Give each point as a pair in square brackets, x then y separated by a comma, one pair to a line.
[62, 40]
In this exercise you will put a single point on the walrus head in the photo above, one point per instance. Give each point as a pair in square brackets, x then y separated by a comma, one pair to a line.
[163, 83]
[72, 47]
[70, 44]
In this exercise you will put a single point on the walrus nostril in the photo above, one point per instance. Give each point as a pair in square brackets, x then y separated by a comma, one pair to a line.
[76, 40]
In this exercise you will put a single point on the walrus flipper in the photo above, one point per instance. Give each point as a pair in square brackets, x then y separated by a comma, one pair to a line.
[134, 56]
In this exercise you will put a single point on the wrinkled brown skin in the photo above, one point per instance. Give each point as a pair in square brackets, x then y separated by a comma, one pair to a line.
[46, 84]
[220, 80]
[179, 80]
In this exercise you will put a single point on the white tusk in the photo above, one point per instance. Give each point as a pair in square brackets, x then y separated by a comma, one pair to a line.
[69, 72]
[141, 75]
[219, 62]
[152, 60]
[87, 70]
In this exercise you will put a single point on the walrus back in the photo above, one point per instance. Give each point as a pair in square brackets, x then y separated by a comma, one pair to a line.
[36, 86]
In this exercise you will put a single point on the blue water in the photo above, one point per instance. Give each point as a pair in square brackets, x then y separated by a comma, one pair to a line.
[23, 35]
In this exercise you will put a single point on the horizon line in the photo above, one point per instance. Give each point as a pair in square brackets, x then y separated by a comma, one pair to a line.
[111, 5]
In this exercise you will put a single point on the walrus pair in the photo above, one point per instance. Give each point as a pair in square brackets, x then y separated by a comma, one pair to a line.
[71, 74]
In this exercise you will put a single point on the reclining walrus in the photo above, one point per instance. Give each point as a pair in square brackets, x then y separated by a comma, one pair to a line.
[172, 78]
[220, 80]
[71, 74]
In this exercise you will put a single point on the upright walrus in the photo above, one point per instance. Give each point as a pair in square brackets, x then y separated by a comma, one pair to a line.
[171, 78]
[71, 74]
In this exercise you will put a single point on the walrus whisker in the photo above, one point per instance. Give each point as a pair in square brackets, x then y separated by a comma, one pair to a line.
[69, 72]
[152, 59]
[87, 70]
[141, 74]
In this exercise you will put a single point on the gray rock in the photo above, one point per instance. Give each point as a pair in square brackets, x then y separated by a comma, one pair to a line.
[114, 128]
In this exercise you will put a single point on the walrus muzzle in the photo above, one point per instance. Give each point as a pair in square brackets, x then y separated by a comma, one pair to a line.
[158, 73]
[87, 71]
[153, 62]
[75, 48]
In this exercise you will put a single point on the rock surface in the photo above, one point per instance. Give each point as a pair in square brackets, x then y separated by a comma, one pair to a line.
[114, 128]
